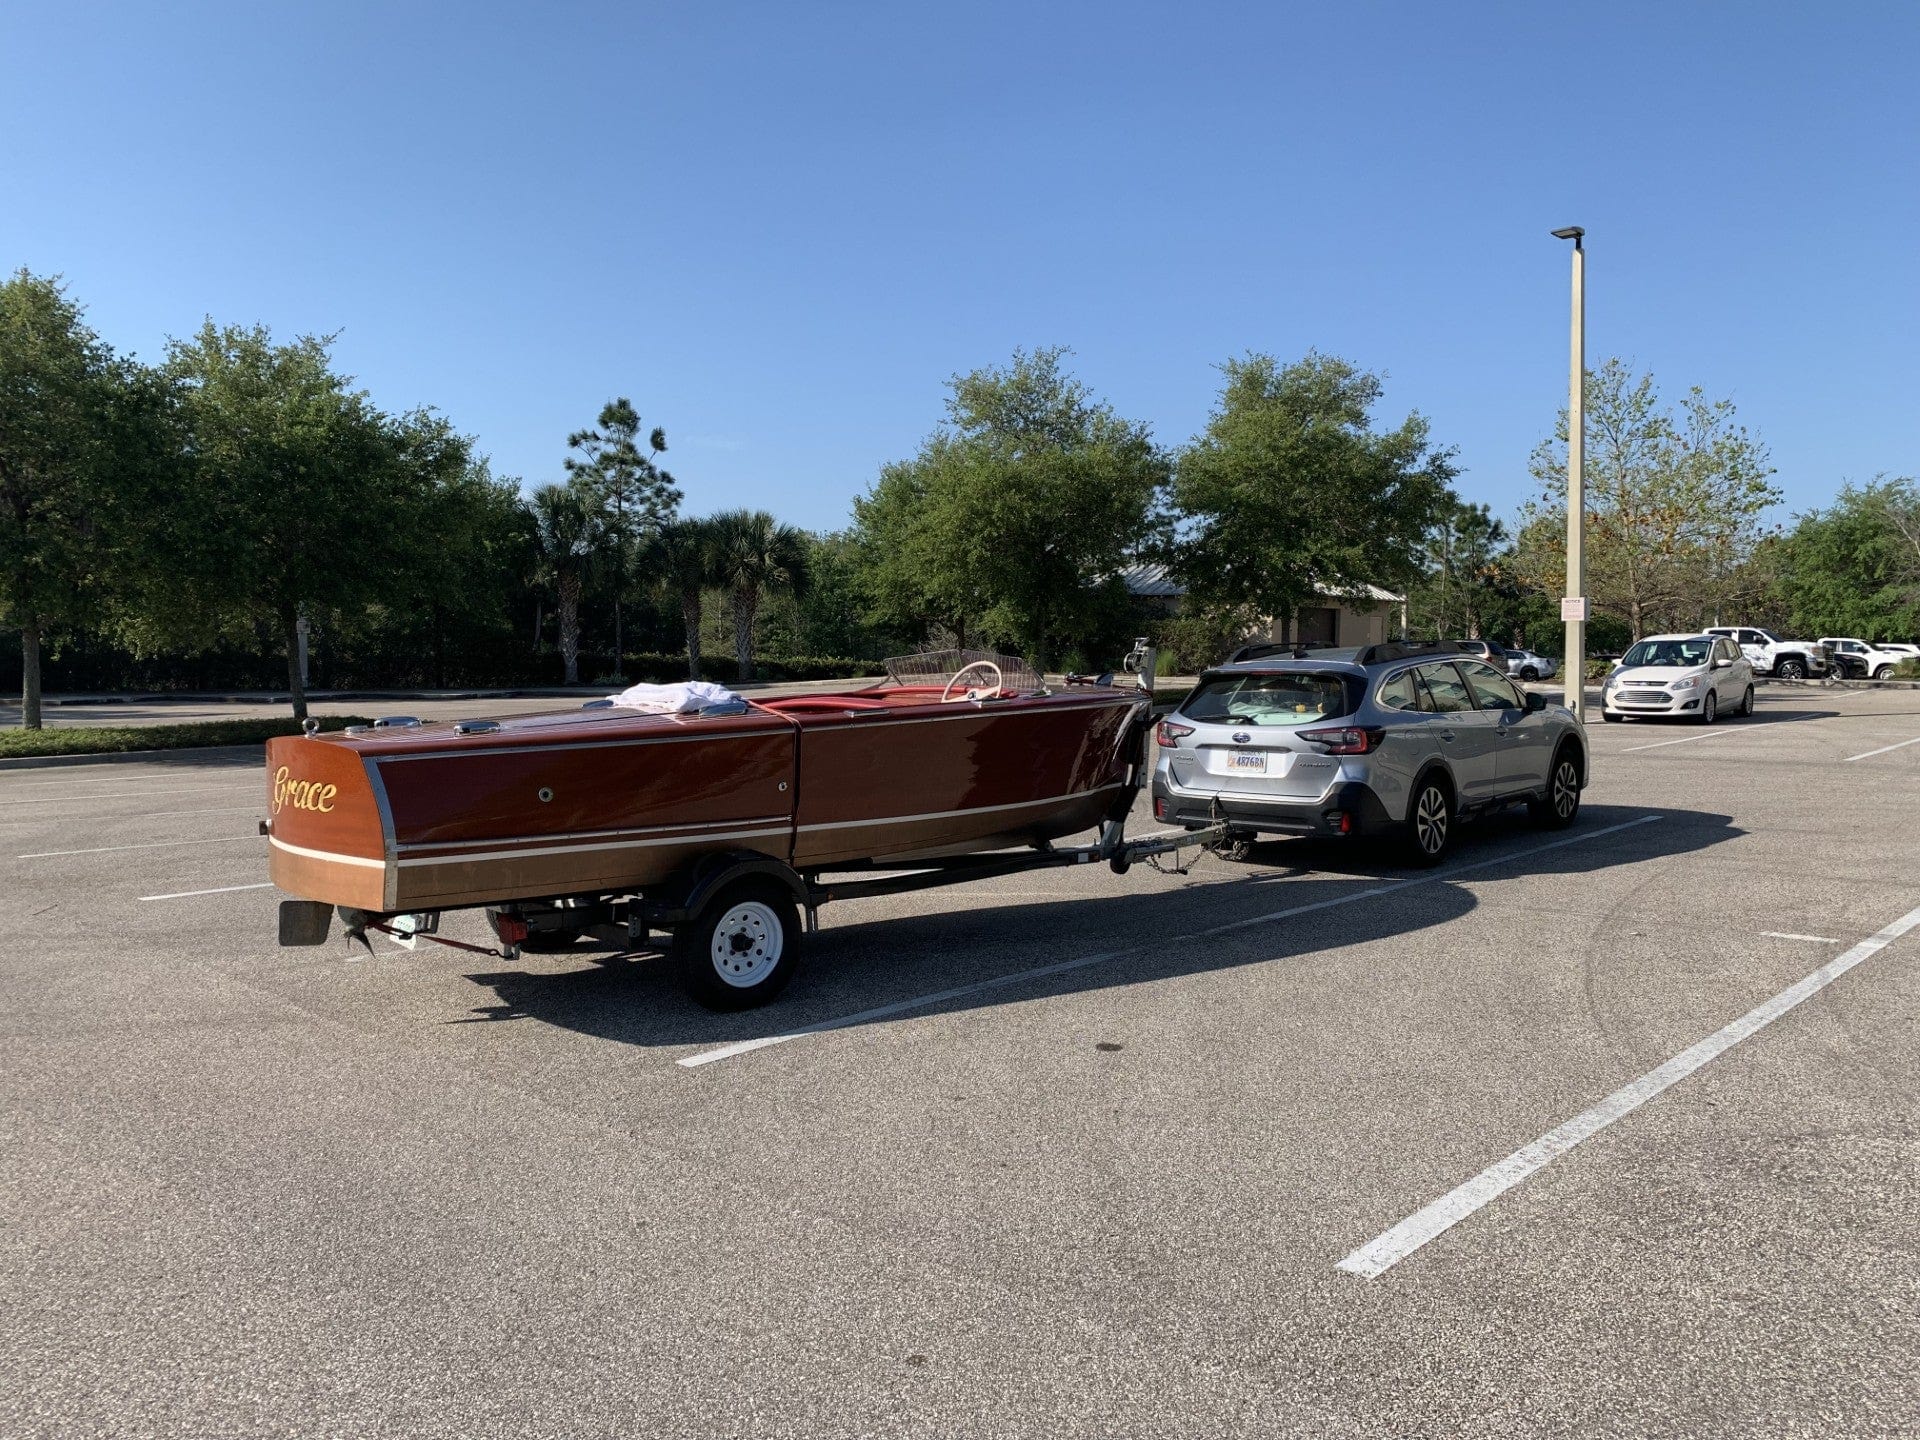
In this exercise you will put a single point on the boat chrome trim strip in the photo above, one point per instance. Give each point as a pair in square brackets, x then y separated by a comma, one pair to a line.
[692, 831]
[544, 850]
[971, 810]
[326, 854]
[764, 733]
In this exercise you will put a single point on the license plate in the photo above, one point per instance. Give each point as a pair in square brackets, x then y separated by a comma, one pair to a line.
[1250, 762]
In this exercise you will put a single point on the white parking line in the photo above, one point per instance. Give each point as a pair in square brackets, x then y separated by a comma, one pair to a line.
[1385, 1251]
[1786, 935]
[1746, 723]
[149, 845]
[1868, 754]
[217, 890]
[744, 1047]
[127, 794]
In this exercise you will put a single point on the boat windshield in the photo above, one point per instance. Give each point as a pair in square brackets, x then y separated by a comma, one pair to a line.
[1279, 698]
[965, 669]
[1669, 654]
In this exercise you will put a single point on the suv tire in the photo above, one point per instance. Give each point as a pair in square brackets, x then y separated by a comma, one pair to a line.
[1792, 668]
[1560, 806]
[1883, 672]
[1430, 820]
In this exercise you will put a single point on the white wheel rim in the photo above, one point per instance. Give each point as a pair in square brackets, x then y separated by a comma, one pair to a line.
[747, 944]
[1712, 706]
[1566, 789]
[1430, 820]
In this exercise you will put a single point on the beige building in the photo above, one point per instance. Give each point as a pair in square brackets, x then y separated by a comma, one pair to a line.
[1365, 616]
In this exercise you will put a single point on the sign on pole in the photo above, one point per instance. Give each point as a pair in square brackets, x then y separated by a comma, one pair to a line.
[1573, 607]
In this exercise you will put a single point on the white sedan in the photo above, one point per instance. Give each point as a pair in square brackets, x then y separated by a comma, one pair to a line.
[1696, 677]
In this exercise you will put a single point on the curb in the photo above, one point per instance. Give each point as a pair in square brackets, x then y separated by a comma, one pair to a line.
[130, 757]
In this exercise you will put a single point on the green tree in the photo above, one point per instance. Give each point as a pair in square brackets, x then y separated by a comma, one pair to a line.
[1290, 491]
[639, 496]
[568, 530]
[683, 562]
[1854, 568]
[304, 493]
[753, 554]
[67, 455]
[1015, 517]
[1675, 503]
[1467, 589]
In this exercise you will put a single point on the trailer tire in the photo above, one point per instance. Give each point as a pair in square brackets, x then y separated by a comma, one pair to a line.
[741, 949]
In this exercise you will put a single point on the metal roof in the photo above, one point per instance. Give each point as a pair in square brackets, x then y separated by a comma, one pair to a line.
[1154, 583]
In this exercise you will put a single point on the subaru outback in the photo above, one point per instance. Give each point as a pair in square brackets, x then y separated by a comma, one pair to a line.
[1399, 740]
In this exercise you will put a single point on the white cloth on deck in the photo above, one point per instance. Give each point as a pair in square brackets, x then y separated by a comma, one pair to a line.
[678, 699]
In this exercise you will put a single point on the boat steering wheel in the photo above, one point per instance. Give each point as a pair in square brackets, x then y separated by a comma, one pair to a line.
[947, 694]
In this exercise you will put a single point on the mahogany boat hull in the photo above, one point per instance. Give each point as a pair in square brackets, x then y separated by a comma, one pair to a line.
[588, 802]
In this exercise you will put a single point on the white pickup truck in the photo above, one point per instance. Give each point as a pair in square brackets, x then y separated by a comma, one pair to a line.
[1784, 659]
[1864, 660]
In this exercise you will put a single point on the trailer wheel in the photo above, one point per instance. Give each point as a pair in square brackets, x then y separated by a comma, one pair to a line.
[740, 950]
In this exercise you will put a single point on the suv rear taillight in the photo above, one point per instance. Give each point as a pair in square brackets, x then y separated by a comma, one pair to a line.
[1346, 739]
[1169, 733]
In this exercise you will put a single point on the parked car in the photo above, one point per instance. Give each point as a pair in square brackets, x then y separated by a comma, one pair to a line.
[1494, 655]
[1787, 659]
[1400, 739]
[1865, 661]
[1530, 665]
[1698, 677]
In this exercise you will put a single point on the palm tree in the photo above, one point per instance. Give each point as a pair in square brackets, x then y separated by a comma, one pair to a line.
[681, 560]
[753, 554]
[568, 530]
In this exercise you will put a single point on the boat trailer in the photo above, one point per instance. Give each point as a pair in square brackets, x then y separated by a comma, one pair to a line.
[763, 888]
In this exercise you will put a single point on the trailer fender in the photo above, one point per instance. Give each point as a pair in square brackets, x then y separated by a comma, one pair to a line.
[687, 894]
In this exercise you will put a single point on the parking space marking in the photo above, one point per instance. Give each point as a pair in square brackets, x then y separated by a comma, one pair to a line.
[1388, 1249]
[1746, 724]
[998, 982]
[1869, 754]
[1786, 935]
[217, 890]
[149, 845]
[119, 795]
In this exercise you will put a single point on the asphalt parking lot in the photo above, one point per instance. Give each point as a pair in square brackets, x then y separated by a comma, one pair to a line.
[1060, 1154]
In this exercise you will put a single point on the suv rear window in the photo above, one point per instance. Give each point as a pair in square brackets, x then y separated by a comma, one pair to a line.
[1280, 698]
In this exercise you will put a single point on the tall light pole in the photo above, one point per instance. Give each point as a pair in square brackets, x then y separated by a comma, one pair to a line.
[1573, 609]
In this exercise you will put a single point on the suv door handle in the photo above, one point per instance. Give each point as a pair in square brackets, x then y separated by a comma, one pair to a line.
[1446, 734]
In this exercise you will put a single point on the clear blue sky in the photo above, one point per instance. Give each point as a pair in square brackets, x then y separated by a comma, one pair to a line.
[780, 227]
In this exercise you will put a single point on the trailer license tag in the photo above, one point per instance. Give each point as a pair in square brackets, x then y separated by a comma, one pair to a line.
[1252, 762]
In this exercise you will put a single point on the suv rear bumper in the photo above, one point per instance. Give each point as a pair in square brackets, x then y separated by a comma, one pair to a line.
[1318, 815]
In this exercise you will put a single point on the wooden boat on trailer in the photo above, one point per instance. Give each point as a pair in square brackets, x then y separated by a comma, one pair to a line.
[717, 825]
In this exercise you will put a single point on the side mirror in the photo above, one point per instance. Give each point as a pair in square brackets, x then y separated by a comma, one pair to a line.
[1535, 703]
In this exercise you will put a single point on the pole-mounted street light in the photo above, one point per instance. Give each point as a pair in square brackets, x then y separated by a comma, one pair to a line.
[1573, 609]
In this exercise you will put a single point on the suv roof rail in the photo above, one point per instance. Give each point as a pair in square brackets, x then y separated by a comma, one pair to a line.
[1406, 650]
[1264, 649]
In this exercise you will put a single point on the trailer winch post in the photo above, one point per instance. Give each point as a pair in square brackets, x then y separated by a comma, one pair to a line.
[1141, 662]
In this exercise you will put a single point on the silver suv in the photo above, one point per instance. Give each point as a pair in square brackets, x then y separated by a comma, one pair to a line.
[1397, 739]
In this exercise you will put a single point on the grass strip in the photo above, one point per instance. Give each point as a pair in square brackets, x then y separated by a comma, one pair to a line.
[113, 739]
